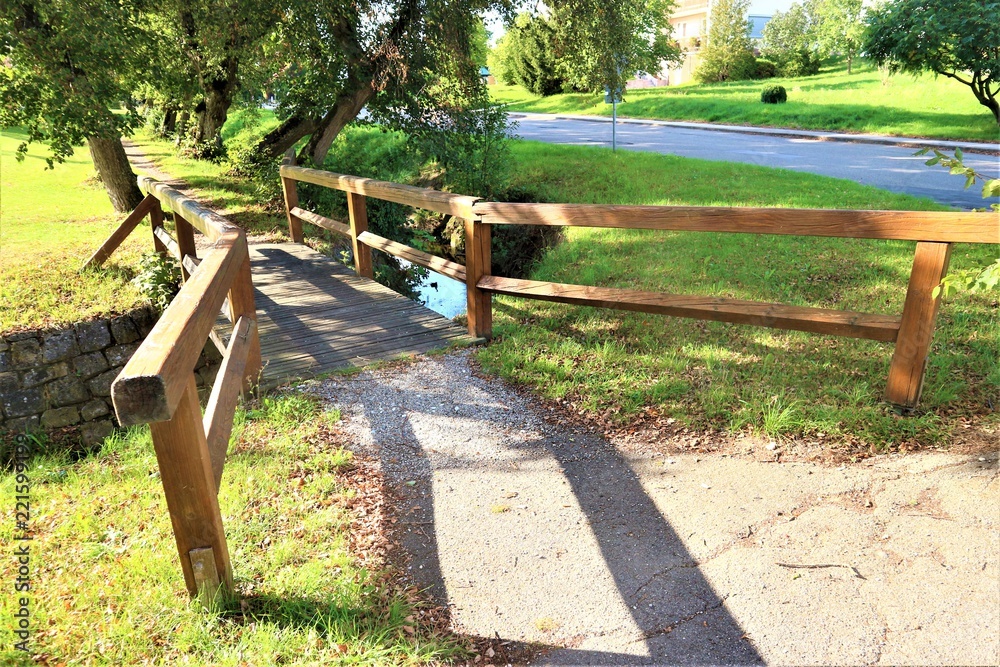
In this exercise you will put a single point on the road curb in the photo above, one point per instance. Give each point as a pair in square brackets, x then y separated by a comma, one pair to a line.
[913, 142]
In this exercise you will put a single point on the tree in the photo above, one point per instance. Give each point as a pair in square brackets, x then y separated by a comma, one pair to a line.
[840, 27]
[787, 41]
[728, 53]
[957, 40]
[534, 58]
[605, 43]
[67, 66]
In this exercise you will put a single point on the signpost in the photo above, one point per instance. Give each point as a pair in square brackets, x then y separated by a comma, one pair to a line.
[613, 100]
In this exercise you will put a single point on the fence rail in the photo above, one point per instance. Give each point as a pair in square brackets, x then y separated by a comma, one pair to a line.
[911, 331]
[157, 385]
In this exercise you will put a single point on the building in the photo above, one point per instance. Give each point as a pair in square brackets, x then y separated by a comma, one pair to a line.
[691, 21]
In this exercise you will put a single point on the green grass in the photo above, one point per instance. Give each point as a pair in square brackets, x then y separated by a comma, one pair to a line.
[630, 366]
[924, 106]
[108, 589]
[51, 221]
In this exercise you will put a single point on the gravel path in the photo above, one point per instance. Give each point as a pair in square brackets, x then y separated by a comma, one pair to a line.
[549, 534]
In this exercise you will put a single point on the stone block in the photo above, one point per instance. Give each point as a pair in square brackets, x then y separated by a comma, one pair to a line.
[59, 417]
[94, 409]
[88, 365]
[42, 374]
[24, 424]
[120, 354]
[26, 353]
[5, 363]
[24, 335]
[24, 402]
[4, 345]
[93, 432]
[123, 330]
[9, 383]
[60, 346]
[144, 319]
[66, 391]
[100, 386]
[93, 336]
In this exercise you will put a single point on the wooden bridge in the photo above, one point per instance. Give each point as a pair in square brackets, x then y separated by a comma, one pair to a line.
[305, 314]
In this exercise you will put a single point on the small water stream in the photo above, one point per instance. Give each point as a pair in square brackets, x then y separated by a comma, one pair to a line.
[442, 294]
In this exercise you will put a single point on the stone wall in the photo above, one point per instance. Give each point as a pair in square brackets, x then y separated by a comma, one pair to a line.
[61, 379]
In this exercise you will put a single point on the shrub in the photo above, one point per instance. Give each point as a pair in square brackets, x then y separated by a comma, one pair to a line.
[773, 95]
[765, 69]
[159, 278]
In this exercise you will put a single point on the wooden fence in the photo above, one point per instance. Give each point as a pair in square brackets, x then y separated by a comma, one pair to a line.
[911, 332]
[157, 386]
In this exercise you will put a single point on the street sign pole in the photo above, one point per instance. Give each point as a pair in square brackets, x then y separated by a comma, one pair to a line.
[614, 124]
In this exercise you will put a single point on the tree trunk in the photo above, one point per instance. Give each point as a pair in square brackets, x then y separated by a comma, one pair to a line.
[849, 54]
[349, 105]
[280, 139]
[215, 109]
[169, 124]
[115, 171]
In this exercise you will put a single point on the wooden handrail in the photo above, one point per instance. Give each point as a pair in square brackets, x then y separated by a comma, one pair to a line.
[157, 385]
[912, 332]
[945, 227]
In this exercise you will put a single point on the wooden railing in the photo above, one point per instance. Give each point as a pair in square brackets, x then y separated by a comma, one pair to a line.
[911, 332]
[157, 385]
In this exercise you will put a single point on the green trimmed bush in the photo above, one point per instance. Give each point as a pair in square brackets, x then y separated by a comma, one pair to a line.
[773, 95]
[765, 69]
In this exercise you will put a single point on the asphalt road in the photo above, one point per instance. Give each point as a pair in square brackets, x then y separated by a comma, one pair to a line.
[891, 168]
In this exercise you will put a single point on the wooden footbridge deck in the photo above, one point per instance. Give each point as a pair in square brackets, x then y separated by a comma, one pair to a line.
[297, 313]
[315, 315]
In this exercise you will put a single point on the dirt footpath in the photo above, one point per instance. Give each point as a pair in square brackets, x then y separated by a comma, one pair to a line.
[553, 536]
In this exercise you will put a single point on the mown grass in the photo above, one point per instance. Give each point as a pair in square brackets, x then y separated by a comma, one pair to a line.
[51, 221]
[903, 105]
[107, 587]
[629, 366]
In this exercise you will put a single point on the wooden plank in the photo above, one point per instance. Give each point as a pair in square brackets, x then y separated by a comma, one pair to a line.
[320, 221]
[916, 331]
[479, 309]
[358, 213]
[186, 473]
[190, 263]
[241, 304]
[156, 223]
[432, 200]
[291, 206]
[121, 233]
[206, 574]
[901, 225]
[209, 223]
[150, 386]
[221, 408]
[775, 316]
[185, 242]
[277, 341]
[167, 241]
[447, 268]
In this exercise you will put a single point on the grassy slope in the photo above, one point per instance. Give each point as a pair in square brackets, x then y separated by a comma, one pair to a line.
[924, 106]
[50, 222]
[626, 365]
[108, 589]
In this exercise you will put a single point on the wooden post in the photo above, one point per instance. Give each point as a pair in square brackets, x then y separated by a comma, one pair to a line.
[913, 343]
[358, 214]
[477, 265]
[155, 221]
[292, 201]
[241, 304]
[186, 474]
[185, 241]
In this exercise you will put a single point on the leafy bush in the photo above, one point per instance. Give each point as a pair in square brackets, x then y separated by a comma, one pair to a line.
[773, 95]
[804, 62]
[728, 55]
[765, 69]
[159, 278]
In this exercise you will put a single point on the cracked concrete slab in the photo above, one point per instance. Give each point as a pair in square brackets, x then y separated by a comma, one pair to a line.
[551, 535]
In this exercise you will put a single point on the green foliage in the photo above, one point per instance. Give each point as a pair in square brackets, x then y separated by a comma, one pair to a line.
[788, 41]
[773, 95]
[960, 40]
[728, 53]
[838, 27]
[534, 56]
[765, 69]
[159, 278]
[501, 59]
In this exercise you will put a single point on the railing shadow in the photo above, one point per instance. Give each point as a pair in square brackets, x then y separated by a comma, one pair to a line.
[675, 615]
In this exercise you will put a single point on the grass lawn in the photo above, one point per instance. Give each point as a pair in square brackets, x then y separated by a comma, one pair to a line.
[107, 587]
[625, 367]
[51, 221]
[924, 106]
